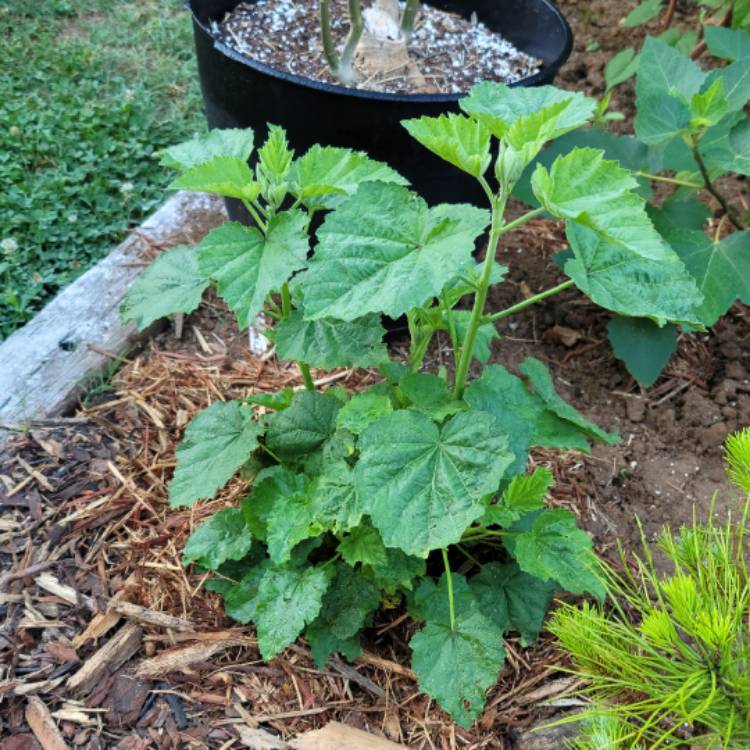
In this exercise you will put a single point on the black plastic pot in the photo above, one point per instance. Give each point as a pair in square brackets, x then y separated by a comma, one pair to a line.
[239, 92]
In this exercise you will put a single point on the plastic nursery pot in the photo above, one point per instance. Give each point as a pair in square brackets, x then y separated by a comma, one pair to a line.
[239, 93]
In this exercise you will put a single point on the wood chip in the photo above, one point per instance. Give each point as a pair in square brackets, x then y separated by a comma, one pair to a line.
[52, 585]
[549, 690]
[43, 725]
[112, 655]
[103, 622]
[76, 716]
[100, 625]
[387, 665]
[355, 676]
[337, 736]
[259, 739]
[176, 660]
[151, 617]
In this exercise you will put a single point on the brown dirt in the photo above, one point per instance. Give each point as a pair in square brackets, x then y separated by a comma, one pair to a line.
[670, 457]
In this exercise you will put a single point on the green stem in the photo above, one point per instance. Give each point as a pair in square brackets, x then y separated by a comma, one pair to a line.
[528, 302]
[467, 349]
[306, 376]
[266, 214]
[451, 328]
[410, 15]
[329, 47]
[331, 560]
[709, 185]
[449, 578]
[521, 220]
[416, 358]
[256, 216]
[286, 301]
[481, 533]
[286, 311]
[264, 447]
[357, 26]
[468, 556]
[669, 180]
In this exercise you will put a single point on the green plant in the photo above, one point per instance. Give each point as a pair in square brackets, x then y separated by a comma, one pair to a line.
[667, 665]
[691, 132]
[84, 107]
[734, 14]
[341, 65]
[359, 495]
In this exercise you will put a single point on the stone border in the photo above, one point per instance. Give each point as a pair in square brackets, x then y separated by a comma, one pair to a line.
[44, 364]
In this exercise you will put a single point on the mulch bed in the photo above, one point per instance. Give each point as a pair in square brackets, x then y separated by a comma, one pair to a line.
[92, 559]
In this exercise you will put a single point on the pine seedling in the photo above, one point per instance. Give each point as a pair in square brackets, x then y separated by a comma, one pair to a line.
[667, 664]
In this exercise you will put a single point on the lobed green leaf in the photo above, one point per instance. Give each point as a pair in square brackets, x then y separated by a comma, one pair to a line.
[230, 142]
[643, 346]
[325, 175]
[215, 444]
[459, 140]
[172, 283]
[350, 600]
[249, 266]
[384, 250]
[223, 175]
[287, 600]
[361, 410]
[224, 536]
[720, 269]
[512, 599]
[551, 547]
[456, 663]
[299, 430]
[501, 108]
[585, 188]
[328, 343]
[541, 380]
[629, 285]
[422, 484]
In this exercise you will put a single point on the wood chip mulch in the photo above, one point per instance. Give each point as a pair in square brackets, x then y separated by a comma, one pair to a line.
[107, 641]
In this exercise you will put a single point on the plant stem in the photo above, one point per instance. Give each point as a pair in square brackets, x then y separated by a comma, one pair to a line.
[701, 47]
[528, 302]
[468, 556]
[286, 301]
[451, 328]
[449, 579]
[708, 184]
[329, 48]
[262, 211]
[264, 447]
[256, 216]
[670, 180]
[521, 220]
[480, 532]
[417, 354]
[286, 311]
[306, 376]
[357, 26]
[410, 15]
[498, 204]
[467, 349]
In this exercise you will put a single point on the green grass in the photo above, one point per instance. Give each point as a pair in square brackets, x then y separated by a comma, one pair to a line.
[90, 90]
